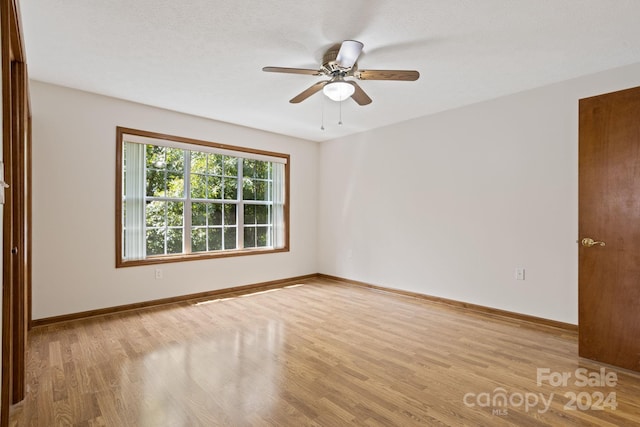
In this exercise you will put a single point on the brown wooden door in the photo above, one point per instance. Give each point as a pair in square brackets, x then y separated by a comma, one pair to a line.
[609, 211]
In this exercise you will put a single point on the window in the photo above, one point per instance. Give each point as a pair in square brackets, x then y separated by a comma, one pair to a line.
[181, 199]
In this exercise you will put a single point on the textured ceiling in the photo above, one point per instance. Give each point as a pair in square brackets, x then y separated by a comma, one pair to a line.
[204, 57]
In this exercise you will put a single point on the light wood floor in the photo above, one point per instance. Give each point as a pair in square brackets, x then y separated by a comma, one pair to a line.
[320, 354]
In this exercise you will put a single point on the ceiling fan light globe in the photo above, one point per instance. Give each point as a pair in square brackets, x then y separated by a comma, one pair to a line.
[338, 91]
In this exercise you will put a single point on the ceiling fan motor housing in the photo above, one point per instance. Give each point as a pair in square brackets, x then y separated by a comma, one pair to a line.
[329, 64]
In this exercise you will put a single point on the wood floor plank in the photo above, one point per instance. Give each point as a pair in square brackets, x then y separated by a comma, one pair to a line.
[322, 353]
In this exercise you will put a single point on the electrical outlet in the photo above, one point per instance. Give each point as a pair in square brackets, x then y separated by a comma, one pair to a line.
[519, 273]
[158, 273]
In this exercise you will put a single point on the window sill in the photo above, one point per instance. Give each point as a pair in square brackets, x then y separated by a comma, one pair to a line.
[165, 259]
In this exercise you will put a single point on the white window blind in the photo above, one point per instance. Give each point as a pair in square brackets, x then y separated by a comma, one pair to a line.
[278, 205]
[134, 219]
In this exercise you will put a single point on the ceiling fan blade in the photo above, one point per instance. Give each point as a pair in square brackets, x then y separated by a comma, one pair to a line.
[292, 70]
[349, 53]
[308, 92]
[404, 75]
[359, 95]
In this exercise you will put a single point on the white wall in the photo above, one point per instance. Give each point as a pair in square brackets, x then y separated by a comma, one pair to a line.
[445, 205]
[74, 212]
[450, 204]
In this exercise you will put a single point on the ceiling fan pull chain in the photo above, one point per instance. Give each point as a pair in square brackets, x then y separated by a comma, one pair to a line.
[340, 120]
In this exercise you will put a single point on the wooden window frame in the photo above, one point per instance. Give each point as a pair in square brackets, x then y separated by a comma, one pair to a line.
[163, 259]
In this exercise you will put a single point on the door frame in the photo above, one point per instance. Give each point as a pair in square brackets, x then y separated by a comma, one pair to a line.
[16, 235]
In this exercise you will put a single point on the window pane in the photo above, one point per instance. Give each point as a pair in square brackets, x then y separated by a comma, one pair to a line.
[215, 239]
[198, 214]
[155, 241]
[230, 188]
[214, 189]
[175, 213]
[230, 166]
[229, 237]
[198, 186]
[215, 164]
[262, 214]
[214, 213]
[229, 214]
[155, 183]
[262, 169]
[174, 241]
[198, 162]
[155, 214]
[249, 214]
[175, 159]
[155, 157]
[249, 237]
[262, 236]
[248, 189]
[175, 184]
[261, 190]
[248, 168]
[198, 239]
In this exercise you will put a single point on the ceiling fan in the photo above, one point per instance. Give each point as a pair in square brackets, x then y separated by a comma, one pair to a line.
[338, 63]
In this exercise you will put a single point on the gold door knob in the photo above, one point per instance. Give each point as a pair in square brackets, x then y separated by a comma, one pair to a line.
[587, 242]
